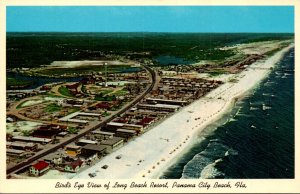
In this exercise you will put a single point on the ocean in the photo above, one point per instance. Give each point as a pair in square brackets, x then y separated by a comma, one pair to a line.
[253, 141]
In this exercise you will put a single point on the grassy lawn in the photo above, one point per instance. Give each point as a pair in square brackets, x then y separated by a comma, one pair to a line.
[52, 108]
[64, 91]
[105, 98]
[20, 105]
[121, 92]
[105, 92]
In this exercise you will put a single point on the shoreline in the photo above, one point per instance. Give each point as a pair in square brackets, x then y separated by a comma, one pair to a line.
[230, 106]
[149, 155]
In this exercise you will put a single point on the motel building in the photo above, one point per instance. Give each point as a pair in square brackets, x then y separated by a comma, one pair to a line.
[39, 168]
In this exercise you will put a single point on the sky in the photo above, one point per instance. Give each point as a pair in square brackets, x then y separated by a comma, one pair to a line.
[150, 19]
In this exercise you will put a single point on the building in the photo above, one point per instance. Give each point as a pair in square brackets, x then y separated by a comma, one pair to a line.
[73, 166]
[91, 152]
[113, 144]
[103, 133]
[32, 139]
[113, 126]
[47, 131]
[164, 101]
[54, 158]
[83, 142]
[14, 152]
[73, 150]
[159, 107]
[145, 121]
[39, 168]
[137, 128]
[22, 146]
[125, 133]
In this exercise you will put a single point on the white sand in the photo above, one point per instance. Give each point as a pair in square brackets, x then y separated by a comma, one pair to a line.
[147, 156]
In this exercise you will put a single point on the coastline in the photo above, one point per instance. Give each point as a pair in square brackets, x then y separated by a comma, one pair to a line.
[141, 158]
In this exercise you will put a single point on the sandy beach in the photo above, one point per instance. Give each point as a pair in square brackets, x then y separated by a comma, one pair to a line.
[150, 154]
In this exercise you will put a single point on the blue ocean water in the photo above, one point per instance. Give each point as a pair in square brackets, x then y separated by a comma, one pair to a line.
[255, 140]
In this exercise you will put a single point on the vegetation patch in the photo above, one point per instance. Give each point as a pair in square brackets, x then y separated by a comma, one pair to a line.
[11, 82]
[52, 108]
[105, 98]
[65, 91]
[216, 72]
[121, 92]
[72, 130]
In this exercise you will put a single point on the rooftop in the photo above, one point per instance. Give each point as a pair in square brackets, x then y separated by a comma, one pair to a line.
[112, 141]
[93, 147]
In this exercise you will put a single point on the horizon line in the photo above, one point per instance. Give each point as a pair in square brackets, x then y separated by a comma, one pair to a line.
[144, 32]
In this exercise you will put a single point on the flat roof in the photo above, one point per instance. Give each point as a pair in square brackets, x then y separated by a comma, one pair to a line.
[87, 141]
[116, 124]
[93, 147]
[166, 100]
[73, 146]
[112, 141]
[126, 131]
[20, 144]
[102, 132]
[13, 151]
[35, 139]
[133, 125]
[89, 114]
[160, 106]
[76, 121]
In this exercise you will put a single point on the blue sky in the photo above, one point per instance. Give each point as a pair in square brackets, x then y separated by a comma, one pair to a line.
[150, 19]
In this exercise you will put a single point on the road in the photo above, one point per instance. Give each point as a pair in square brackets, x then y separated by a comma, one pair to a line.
[87, 129]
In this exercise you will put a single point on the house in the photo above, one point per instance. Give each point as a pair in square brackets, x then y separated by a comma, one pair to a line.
[113, 144]
[39, 168]
[73, 166]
